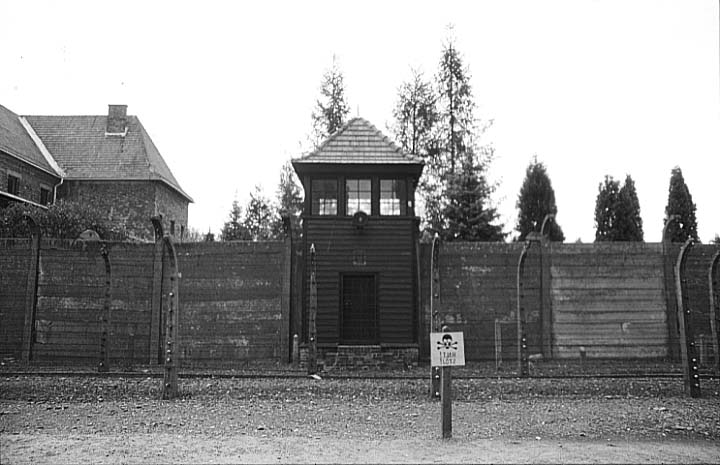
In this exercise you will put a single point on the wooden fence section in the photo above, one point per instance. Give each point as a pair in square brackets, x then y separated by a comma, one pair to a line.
[234, 302]
[15, 258]
[478, 292]
[609, 299]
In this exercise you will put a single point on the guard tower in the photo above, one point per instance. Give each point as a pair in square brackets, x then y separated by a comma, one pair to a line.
[359, 214]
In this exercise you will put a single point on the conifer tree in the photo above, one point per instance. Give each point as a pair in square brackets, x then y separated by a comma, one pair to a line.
[605, 210]
[233, 229]
[456, 125]
[537, 199]
[259, 216]
[680, 205]
[289, 201]
[628, 223]
[468, 214]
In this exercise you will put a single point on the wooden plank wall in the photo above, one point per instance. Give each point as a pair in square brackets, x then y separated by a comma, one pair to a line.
[71, 297]
[15, 257]
[478, 288]
[386, 247]
[608, 299]
[231, 302]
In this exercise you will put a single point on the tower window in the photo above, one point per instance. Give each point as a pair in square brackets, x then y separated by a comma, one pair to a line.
[392, 193]
[324, 197]
[359, 196]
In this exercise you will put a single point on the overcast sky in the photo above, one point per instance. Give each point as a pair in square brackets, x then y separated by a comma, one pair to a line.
[226, 88]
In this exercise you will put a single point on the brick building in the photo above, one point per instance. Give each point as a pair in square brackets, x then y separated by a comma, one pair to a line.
[107, 161]
[28, 173]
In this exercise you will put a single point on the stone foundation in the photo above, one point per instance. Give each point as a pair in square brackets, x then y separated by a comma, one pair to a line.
[363, 357]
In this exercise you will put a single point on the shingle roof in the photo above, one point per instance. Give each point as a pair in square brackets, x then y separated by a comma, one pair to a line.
[359, 142]
[15, 140]
[84, 151]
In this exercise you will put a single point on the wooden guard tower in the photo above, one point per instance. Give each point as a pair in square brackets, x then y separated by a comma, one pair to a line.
[359, 214]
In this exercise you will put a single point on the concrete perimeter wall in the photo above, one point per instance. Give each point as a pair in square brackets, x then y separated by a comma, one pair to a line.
[614, 300]
[609, 300]
[233, 307]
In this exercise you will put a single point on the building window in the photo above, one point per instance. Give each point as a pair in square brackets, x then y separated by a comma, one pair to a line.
[13, 184]
[358, 195]
[172, 228]
[44, 196]
[324, 197]
[392, 193]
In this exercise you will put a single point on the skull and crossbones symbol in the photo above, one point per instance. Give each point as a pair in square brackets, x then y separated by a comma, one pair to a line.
[447, 343]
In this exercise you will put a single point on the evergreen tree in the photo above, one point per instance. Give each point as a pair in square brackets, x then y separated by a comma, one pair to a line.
[456, 126]
[259, 217]
[680, 204]
[628, 223]
[331, 109]
[233, 229]
[289, 200]
[537, 199]
[468, 215]
[605, 210]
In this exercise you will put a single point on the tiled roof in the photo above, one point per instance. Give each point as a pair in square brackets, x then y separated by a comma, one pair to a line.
[358, 142]
[16, 141]
[84, 151]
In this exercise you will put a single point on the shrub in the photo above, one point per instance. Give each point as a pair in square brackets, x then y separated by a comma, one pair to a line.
[62, 220]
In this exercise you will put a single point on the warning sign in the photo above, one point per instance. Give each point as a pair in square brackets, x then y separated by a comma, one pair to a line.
[447, 349]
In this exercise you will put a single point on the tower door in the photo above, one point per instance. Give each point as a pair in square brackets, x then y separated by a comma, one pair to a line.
[358, 323]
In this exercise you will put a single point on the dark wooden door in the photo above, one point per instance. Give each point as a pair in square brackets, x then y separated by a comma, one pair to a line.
[359, 310]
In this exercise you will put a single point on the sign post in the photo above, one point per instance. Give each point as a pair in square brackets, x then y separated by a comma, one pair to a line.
[447, 349]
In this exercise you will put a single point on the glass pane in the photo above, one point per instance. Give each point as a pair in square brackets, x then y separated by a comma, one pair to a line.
[391, 194]
[324, 197]
[358, 195]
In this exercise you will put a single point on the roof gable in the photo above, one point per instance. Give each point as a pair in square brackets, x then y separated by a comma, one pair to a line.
[84, 150]
[358, 142]
[16, 141]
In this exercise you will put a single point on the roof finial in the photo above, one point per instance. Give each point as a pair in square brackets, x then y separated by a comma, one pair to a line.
[357, 111]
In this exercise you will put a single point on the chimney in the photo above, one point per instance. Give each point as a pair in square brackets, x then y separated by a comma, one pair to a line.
[117, 119]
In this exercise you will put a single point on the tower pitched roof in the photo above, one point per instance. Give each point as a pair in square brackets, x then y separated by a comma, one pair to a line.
[358, 142]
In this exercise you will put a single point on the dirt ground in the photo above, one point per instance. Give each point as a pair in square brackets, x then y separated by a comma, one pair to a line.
[55, 419]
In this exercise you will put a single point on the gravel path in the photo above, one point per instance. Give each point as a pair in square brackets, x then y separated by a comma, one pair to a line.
[77, 419]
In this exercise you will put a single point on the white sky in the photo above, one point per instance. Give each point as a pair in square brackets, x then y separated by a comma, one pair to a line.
[226, 88]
